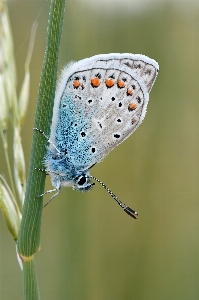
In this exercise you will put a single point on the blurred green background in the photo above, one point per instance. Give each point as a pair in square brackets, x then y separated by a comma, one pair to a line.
[90, 249]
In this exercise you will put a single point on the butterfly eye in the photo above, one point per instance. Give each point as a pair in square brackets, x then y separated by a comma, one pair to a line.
[82, 180]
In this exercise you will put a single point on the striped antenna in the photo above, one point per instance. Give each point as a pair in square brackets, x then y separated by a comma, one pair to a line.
[126, 208]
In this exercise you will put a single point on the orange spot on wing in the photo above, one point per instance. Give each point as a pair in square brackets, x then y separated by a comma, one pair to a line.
[129, 92]
[134, 120]
[109, 82]
[132, 106]
[120, 84]
[76, 84]
[95, 82]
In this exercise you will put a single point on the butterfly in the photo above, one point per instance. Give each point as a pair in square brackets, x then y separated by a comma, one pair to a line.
[100, 101]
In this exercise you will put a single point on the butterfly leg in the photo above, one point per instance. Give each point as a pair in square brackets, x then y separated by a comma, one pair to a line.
[47, 138]
[52, 196]
[48, 192]
[41, 170]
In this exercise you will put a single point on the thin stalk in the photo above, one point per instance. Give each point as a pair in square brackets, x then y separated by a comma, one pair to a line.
[29, 236]
[30, 280]
[30, 230]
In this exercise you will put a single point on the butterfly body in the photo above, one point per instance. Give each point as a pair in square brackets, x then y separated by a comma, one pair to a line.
[99, 102]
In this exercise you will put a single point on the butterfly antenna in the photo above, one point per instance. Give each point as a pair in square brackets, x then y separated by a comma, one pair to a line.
[126, 208]
[47, 138]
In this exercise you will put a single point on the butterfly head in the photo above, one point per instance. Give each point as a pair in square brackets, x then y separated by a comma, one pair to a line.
[83, 182]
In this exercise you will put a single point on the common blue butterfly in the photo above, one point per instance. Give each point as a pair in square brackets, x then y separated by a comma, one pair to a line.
[99, 102]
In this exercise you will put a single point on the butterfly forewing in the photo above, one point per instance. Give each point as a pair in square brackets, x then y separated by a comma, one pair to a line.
[103, 101]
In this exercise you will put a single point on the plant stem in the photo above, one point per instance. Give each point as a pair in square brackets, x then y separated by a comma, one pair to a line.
[30, 280]
[29, 237]
[30, 230]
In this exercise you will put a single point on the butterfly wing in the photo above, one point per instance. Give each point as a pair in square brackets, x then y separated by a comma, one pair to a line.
[99, 102]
